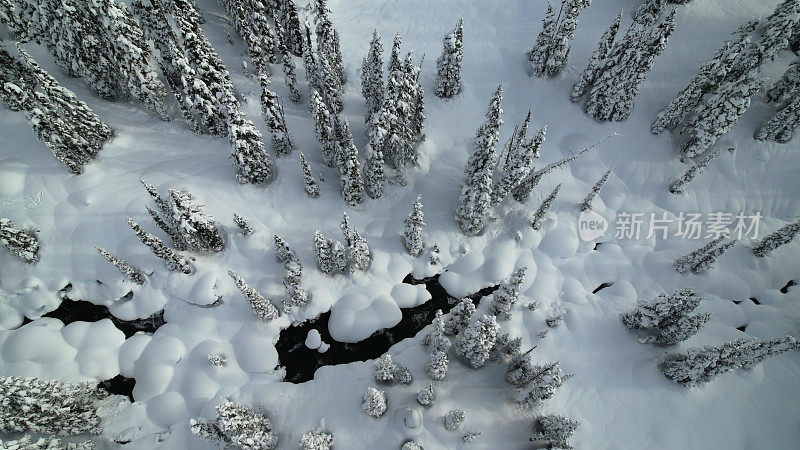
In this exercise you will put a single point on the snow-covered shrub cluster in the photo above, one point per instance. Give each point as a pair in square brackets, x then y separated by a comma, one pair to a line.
[666, 320]
[426, 396]
[388, 371]
[453, 419]
[316, 440]
[333, 257]
[374, 402]
[237, 425]
[477, 340]
[553, 431]
[21, 243]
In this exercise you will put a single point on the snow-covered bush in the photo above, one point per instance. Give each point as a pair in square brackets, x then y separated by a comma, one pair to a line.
[470, 436]
[477, 340]
[666, 320]
[239, 426]
[520, 370]
[49, 406]
[506, 296]
[436, 339]
[217, 359]
[453, 419]
[541, 385]
[437, 365]
[21, 243]
[242, 224]
[426, 396]
[411, 445]
[316, 440]
[553, 431]
[374, 402]
[505, 348]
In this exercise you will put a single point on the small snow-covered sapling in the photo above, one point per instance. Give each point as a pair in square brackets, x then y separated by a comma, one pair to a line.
[453, 419]
[374, 402]
[217, 359]
[426, 396]
[470, 436]
[242, 224]
[437, 365]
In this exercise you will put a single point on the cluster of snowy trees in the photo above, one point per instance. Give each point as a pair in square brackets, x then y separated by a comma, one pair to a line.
[448, 66]
[721, 92]
[72, 131]
[292, 274]
[333, 257]
[21, 243]
[549, 53]
[387, 371]
[666, 320]
[49, 407]
[316, 440]
[615, 71]
[238, 426]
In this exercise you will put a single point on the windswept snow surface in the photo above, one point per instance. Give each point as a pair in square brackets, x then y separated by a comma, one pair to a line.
[617, 393]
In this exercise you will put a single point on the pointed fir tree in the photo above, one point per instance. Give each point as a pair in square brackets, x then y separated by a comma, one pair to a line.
[448, 66]
[505, 348]
[436, 339]
[541, 48]
[308, 180]
[283, 252]
[172, 259]
[475, 198]
[453, 419]
[323, 128]
[293, 272]
[310, 61]
[460, 316]
[778, 28]
[477, 340]
[372, 87]
[21, 243]
[290, 34]
[782, 236]
[684, 263]
[544, 209]
[416, 112]
[666, 320]
[701, 365]
[437, 365]
[272, 110]
[251, 19]
[242, 224]
[374, 175]
[507, 295]
[260, 305]
[412, 233]
[385, 369]
[132, 273]
[542, 385]
[562, 39]
[554, 431]
[198, 229]
[329, 82]
[592, 70]
[787, 85]
[782, 126]
[357, 247]
[253, 163]
[520, 370]
[677, 186]
[288, 66]
[711, 257]
[352, 183]
[519, 165]
[587, 202]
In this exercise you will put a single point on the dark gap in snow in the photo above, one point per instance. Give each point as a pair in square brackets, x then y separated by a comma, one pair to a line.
[80, 310]
[742, 328]
[601, 287]
[597, 244]
[119, 385]
[736, 302]
[785, 289]
[754, 300]
[301, 362]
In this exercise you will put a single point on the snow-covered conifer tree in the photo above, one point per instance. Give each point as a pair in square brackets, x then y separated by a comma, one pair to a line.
[132, 273]
[242, 224]
[541, 48]
[711, 257]
[437, 365]
[372, 77]
[251, 19]
[543, 382]
[410, 445]
[506, 296]
[778, 28]
[323, 250]
[308, 180]
[260, 305]
[358, 249]
[290, 34]
[518, 166]
[677, 186]
[470, 436]
[544, 209]
[436, 339]
[505, 348]
[460, 316]
[272, 109]
[283, 252]
[352, 182]
[477, 340]
[426, 396]
[329, 82]
[374, 402]
[173, 260]
[554, 431]
[323, 128]
[237, 426]
[385, 369]
[453, 419]
[316, 439]
[287, 64]
[253, 163]
[412, 233]
[448, 66]
[587, 202]
[475, 198]
[21, 243]
[374, 175]
[782, 126]
[684, 263]
[592, 70]
[562, 39]
[700, 365]
[782, 236]
[520, 370]
[666, 320]
[786, 85]
[310, 61]
[198, 229]
[49, 406]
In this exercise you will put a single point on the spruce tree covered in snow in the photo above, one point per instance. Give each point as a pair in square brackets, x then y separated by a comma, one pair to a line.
[770, 242]
[520, 370]
[562, 39]
[436, 339]
[410, 445]
[541, 48]
[293, 272]
[288, 26]
[666, 320]
[786, 85]
[172, 259]
[308, 180]
[49, 406]
[21, 243]
[198, 229]
[251, 19]
[131, 272]
[357, 247]
[310, 61]
[684, 263]
[592, 69]
[350, 169]
[323, 128]
[475, 198]
[272, 109]
[505, 348]
[460, 316]
[477, 340]
[331, 254]
[288, 66]
[242, 224]
[587, 202]
[453, 419]
[711, 257]
[329, 83]
[437, 365]
[253, 163]
[426, 396]
[388, 371]
[374, 175]
[544, 380]
[448, 66]
[260, 305]
[412, 233]
[283, 252]
[372, 78]
[677, 186]
[554, 431]
[237, 426]
[518, 166]
[316, 440]
[717, 115]
[506, 296]
[416, 112]
[700, 365]
[374, 402]
[778, 28]
[782, 126]
[544, 209]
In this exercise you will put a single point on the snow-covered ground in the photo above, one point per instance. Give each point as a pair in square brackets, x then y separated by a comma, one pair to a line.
[617, 393]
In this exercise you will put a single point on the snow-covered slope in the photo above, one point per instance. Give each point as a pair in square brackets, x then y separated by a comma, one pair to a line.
[617, 393]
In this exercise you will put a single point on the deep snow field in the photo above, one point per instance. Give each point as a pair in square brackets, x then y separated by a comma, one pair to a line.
[617, 393]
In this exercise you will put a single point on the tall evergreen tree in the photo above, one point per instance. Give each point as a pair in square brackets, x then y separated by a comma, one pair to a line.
[289, 31]
[131, 272]
[308, 180]
[477, 340]
[544, 209]
[587, 202]
[412, 233]
[253, 163]
[352, 183]
[507, 295]
[677, 186]
[448, 66]
[251, 19]
[21, 243]
[357, 247]
[172, 259]
[323, 128]
[372, 87]
[288, 66]
[518, 163]
[562, 40]
[787, 85]
[374, 175]
[259, 304]
[770, 242]
[310, 61]
[782, 126]
[554, 431]
[602, 51]
[272, 109]
[539, 53]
